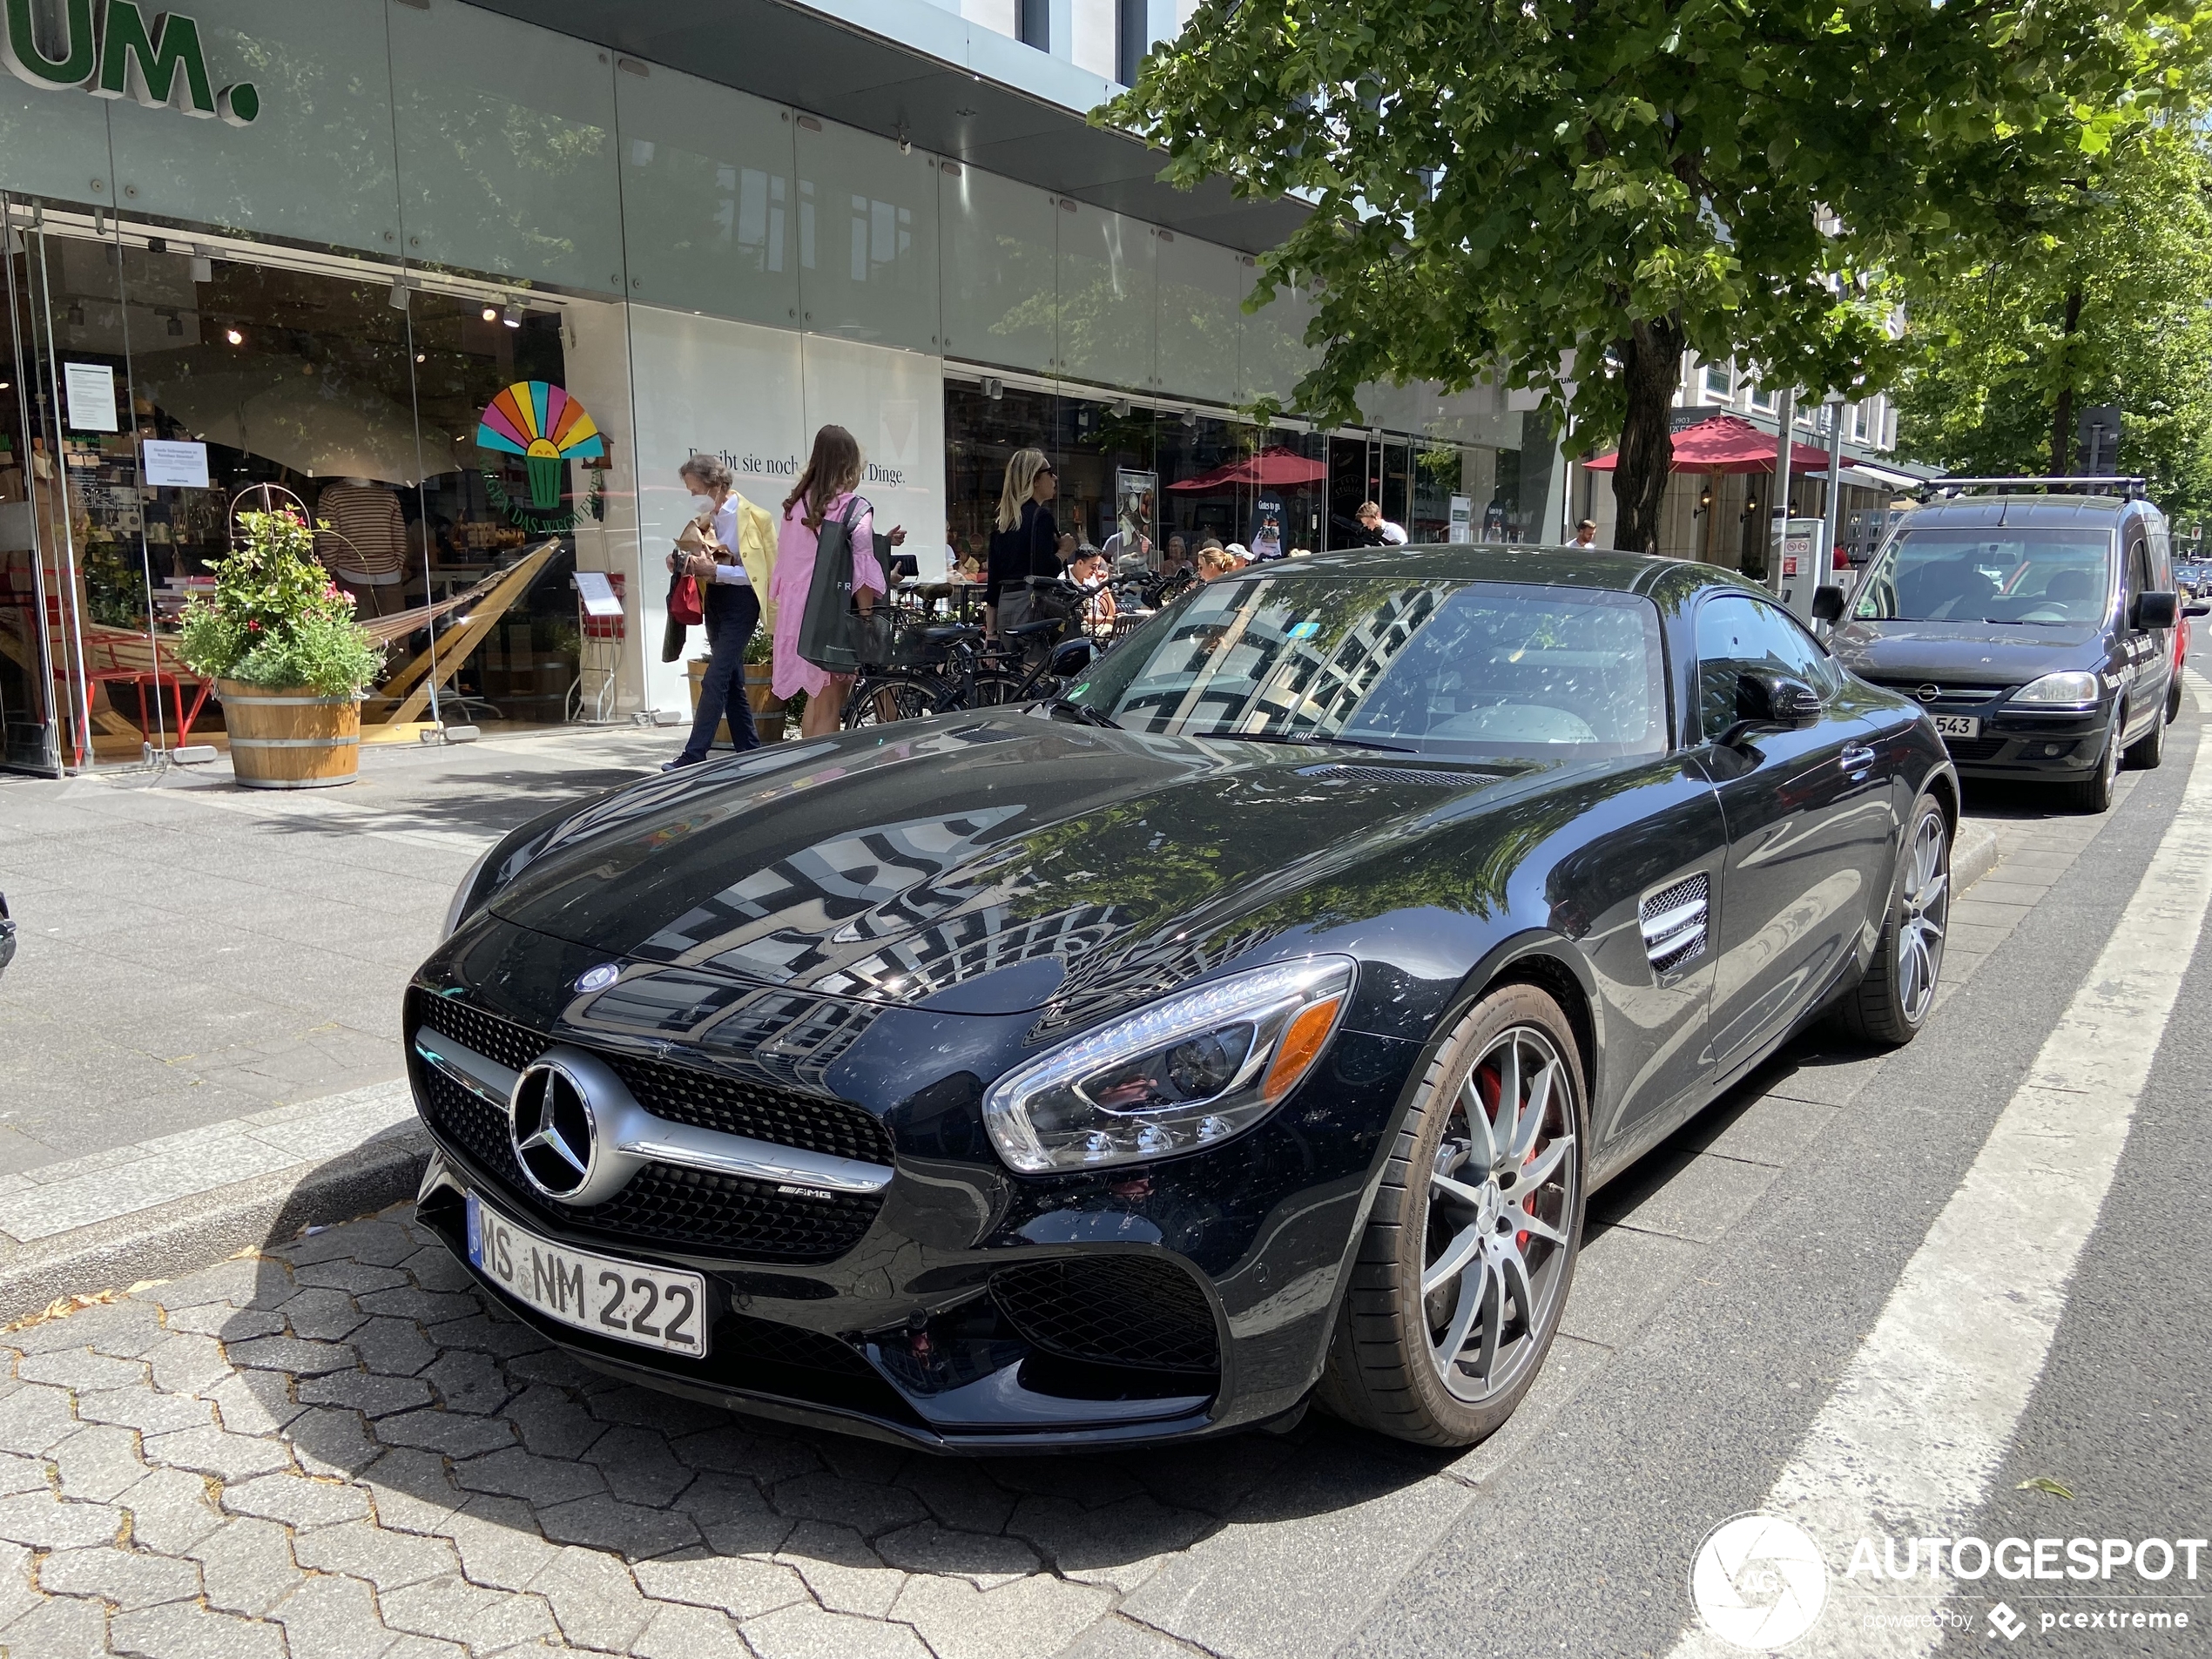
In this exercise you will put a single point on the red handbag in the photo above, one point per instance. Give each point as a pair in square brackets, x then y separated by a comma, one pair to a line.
[683, 604]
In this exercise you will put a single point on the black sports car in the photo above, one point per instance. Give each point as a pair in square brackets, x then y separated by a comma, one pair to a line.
[1250, 1024]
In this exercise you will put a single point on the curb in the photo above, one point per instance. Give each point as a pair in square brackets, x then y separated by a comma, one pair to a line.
[189, 1233]
[1973, 855]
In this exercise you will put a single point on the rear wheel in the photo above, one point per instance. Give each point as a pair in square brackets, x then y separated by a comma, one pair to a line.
[2148, 751]
[881, 701]
[993, 690]
[1463, 1272]
[2093, 794]
[1892, 1001]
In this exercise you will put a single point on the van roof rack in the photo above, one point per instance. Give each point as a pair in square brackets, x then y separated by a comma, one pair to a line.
[2132, 486]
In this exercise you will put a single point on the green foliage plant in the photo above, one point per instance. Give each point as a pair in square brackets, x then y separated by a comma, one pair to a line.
[1569, 194]
[277, 620]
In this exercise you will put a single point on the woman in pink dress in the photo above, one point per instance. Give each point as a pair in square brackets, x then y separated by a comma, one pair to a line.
[821, 494]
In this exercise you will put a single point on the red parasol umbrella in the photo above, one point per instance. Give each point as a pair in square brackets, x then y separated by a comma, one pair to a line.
[1728, 443]
[1276, 467]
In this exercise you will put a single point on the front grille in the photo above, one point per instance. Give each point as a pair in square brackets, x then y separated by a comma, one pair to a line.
[715, 1214]
[1132, 1311]
[1945, 693]
[680, 1093]
[709, 1099]
[513, 1046]
[1973, 748]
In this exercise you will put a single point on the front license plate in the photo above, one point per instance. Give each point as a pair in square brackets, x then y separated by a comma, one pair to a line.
[1958, 725]
[629, 1301]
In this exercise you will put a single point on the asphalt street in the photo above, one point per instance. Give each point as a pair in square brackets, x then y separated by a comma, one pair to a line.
[337, 1446]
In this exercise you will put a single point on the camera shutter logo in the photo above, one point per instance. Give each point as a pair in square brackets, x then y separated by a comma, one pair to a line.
[1758, 1581]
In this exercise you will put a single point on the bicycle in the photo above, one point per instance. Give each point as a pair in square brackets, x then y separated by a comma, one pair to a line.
[949, 668]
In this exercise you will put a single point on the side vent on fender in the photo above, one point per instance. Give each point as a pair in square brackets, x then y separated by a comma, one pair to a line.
[1673, 924]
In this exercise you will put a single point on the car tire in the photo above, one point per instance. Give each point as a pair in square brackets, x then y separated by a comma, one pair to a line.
[2174, 695]
[2145, 753]
[1894, 997]
[2093, 794]
[1447, 1365]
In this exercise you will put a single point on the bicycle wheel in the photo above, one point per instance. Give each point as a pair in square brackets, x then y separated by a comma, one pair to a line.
[993, 690]
[881, 699]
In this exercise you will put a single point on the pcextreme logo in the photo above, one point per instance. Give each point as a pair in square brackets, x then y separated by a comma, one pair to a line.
[110, 52]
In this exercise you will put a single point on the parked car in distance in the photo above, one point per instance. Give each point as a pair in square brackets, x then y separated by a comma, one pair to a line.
[2038, 630]
[1246, 1027]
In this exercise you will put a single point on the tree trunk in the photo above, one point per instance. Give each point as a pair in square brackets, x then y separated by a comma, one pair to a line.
[1650, 370]
[2062, 415]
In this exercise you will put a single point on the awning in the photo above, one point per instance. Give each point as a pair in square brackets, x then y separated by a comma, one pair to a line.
[1728, 443]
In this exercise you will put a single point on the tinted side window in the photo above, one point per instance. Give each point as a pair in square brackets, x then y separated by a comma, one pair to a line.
[1736, 635]
[2138, 565]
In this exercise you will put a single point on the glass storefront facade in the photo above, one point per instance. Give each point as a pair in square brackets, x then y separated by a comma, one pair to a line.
[442, 225]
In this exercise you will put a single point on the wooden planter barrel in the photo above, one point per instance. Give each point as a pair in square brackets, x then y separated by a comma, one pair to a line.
[290, 739]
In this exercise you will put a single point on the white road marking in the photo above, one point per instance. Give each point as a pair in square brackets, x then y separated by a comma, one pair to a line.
[1917, 1429]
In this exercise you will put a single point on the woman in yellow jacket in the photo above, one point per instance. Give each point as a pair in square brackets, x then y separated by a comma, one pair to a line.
[733, 569]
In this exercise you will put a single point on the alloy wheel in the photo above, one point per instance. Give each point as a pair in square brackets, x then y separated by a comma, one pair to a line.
[1927, 914]
[1501, 1202]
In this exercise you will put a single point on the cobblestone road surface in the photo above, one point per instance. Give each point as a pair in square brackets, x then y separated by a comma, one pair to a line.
[339, 1449]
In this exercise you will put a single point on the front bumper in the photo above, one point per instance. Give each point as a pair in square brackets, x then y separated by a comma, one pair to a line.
[964, 1309]
[2032, 748]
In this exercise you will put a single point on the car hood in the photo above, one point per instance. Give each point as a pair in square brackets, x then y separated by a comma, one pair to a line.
[1974, 652]
[974, 864]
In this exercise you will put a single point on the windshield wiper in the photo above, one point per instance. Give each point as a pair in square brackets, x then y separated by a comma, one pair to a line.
[1302, 742]
[1087, 715]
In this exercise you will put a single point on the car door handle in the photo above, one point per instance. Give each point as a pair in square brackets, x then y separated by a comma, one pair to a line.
[1857, 756]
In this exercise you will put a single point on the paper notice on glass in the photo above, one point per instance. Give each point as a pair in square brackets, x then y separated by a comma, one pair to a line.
[1462, 527]
[90, 388]
[597, 594]
[174, 466]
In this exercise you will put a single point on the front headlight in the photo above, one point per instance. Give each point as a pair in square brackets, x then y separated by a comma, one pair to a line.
[1186, 1072]
[464, 896]
[2074, 689]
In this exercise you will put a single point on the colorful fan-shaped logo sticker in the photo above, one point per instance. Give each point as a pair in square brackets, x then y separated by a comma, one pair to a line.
[541, 423]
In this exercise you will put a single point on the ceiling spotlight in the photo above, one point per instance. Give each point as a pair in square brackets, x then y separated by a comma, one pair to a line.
[1190, 417]
[491, 314]
[203, 268]
[234, 337]
[422, 357]
[512, 316]
[3, 386]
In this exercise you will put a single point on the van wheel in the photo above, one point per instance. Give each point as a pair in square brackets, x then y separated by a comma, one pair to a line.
[2093, 794]
[2174, 696]
[2148, 751]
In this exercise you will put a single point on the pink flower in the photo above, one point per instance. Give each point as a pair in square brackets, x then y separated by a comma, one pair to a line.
[252, 627]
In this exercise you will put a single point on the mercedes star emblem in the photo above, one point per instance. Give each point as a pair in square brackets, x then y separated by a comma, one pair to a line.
[551, 1129]
[597, 978]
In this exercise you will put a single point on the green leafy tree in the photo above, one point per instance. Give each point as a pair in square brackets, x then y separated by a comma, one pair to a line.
[2105, 299]
[1573, 192]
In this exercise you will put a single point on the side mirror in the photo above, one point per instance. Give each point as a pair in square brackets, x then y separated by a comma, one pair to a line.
[1771, 702]
[1071, 658]
[2154, 610]
[1827, 603]
[2201, 607]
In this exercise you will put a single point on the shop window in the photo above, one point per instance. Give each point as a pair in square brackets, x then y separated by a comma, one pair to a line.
[1200, 287]
[1719, 380]
[1106, 296]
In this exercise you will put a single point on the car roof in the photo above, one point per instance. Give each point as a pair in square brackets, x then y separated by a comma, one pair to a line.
[1670, 580]
[2025, 511]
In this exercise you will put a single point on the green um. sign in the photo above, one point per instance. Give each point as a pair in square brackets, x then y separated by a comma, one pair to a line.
[158, 64]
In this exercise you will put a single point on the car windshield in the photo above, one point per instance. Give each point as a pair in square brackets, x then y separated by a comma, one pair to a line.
[1443, 667]
[2037, 577]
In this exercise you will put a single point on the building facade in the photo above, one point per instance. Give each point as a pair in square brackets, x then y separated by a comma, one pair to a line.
[466, 279]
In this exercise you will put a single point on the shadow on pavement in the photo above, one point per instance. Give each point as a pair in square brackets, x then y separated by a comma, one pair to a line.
[375, 1356]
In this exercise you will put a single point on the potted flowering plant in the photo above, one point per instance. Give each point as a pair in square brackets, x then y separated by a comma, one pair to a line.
[288, 659]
